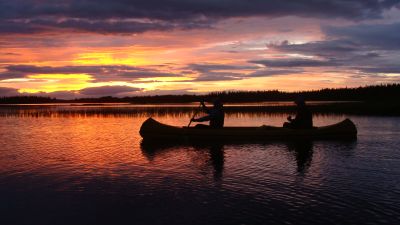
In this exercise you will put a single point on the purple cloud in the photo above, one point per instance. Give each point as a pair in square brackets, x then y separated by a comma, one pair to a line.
[136, 16]
[293, 62]
[5, 91]
[108, 90]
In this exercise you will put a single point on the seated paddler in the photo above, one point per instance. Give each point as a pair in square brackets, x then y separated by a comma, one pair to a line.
[215, 115]
[303, 119]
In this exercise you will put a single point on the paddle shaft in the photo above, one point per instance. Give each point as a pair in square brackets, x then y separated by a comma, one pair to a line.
[194, 115]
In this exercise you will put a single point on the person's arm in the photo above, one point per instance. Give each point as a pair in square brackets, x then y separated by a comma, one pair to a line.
[205, 108]
[202, 119]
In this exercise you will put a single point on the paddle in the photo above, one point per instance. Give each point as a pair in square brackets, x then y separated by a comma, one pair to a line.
[194, 115]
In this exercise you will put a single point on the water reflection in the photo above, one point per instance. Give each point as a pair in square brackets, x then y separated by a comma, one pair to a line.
[93, 170]
[209, 155]
[212, 154]
[303, 153]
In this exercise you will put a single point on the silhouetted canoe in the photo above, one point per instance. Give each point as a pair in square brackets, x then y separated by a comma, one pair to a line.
[152, 129]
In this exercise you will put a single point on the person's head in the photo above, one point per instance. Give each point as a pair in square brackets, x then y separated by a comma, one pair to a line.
[217, 103]
[299, 101]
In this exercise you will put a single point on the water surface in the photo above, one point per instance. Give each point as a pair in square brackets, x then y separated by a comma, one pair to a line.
[79, 168]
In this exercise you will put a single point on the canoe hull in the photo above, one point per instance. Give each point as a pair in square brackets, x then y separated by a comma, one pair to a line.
[152, 129]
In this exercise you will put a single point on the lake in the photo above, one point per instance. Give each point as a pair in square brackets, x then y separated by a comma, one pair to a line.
[86, 164]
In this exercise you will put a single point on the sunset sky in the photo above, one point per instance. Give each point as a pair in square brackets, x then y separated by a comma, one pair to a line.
[91, 48]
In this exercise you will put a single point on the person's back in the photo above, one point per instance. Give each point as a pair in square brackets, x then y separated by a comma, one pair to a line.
[217, 117]
[303, 119]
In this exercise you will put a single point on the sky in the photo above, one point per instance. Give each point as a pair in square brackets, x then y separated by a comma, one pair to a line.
[92, 48]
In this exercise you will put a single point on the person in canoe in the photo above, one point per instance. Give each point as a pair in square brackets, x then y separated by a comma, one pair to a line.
[303, 119]
[215, 115]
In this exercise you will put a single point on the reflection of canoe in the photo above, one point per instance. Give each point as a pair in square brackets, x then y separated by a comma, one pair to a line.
[152, 129]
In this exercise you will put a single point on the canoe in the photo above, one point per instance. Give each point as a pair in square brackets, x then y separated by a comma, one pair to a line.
[152, 129]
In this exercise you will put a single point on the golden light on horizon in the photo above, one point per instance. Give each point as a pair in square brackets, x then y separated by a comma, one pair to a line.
[130, 56]
[58, 82]
[77, 76]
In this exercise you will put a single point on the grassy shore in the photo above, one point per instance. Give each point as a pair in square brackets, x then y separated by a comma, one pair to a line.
[369, 100]
[349, 108]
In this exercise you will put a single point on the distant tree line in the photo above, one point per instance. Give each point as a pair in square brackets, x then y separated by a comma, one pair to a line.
[376, 93]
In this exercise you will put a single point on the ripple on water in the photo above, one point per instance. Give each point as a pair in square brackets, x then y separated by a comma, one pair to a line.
[96, 167]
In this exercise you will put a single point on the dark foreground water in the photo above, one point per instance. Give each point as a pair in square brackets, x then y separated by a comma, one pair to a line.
[94, 169]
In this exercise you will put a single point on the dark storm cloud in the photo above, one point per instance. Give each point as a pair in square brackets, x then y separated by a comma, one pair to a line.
[108, 90]
[99, 73]
[5, 91]
[135, 16]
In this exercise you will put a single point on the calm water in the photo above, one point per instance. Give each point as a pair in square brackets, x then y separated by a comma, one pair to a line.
[79, 168]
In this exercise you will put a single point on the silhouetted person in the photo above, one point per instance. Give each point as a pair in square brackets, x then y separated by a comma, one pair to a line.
[215, 115]
[303, 119]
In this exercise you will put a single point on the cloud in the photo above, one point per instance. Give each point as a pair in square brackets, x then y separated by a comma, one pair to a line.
[274, 72]
[5, 91]
[99, 73]
[61, 94]
[381, 69]
[218, 67]
[219, 72]
[108, 90]
[348, 40]
[168, 92]
[293, 62]
[91, 92]
[373, 36]
[29, 69]
[219, 76]
[136, 16]
[369, 48]
[11, 75]
[34, 26]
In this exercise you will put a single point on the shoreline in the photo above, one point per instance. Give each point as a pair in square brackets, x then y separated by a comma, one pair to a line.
[350, 108]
